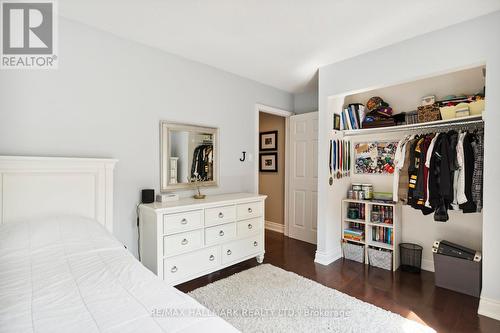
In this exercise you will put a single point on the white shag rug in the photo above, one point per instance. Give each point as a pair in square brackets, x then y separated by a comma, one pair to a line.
[269, 299]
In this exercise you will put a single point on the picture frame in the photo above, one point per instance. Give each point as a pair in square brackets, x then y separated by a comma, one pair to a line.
[268, 141]
[268, 162]
[336, 122]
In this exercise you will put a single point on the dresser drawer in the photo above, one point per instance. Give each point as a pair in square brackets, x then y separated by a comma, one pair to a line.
[249, 210]
[219, 215]
[220, 233]
[183, 242]
[173, 223]
[189, 264]
[241, 248]
[249, 227]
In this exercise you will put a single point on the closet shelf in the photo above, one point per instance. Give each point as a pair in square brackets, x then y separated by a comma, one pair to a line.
[428, 125]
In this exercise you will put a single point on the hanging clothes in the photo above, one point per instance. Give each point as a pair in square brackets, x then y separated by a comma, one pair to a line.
[440, 172]
[469, 206]
[419, 174]
[399, 161]
[403, 172]
[202, 166]
[428, 165]
[460, 185]
[477, 176]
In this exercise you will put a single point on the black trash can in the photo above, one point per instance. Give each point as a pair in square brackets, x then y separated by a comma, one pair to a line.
[410, 257]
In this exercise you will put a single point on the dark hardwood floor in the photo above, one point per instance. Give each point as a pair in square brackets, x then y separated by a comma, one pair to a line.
[413, 296]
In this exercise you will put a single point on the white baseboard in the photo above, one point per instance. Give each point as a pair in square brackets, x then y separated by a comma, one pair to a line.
[273, 226]
[489, 307]
[327, 257]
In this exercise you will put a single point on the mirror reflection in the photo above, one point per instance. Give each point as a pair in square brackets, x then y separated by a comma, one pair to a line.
[188, 155]
[191, 157]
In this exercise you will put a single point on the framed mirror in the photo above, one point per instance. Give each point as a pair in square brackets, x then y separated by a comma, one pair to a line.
[188, 152]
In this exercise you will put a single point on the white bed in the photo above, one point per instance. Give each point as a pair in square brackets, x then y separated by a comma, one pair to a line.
[60, 268]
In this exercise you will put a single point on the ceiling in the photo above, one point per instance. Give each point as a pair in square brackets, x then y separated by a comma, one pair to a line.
[280, 43]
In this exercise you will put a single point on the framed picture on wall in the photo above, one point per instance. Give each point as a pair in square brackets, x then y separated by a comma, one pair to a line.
[268, 162]
[268, 140]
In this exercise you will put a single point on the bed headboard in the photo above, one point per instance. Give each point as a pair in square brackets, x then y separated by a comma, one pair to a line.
[32, 187]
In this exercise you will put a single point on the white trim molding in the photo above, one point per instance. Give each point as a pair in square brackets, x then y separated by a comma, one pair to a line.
[489, 307]
[272, 110]
[327, 257]
[278, 112]
[273, 226]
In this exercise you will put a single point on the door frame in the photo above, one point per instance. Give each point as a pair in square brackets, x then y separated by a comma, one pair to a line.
[285, 114]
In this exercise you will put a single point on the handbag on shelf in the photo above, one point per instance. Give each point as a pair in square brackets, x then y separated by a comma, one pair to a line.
[428, 113]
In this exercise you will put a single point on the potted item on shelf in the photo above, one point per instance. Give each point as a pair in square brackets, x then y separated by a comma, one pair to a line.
[355, 252]
[380, 258]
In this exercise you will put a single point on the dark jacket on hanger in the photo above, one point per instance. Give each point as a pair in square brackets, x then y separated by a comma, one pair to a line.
[441, 178]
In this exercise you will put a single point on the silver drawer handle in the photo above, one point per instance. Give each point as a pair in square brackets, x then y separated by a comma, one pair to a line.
[184, 221]
[221, 215]
[221, 233]
[250, 226]
[211, 258]
[173, 269]
[255, 243]
[249, 210]
[229, 252]
[184, 241]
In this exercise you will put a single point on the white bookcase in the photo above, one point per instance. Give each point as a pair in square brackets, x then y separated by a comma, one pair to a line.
[367, 226]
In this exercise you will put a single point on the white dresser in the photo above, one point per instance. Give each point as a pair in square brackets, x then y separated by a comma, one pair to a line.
[185, 239]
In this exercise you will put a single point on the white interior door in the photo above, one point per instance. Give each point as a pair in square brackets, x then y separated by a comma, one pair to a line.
[303, 186]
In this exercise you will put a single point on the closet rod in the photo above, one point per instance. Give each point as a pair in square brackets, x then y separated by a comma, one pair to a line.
[406, 128]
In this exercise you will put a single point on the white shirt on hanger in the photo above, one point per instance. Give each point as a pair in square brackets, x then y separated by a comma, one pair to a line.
[459, 188]
[399, 161]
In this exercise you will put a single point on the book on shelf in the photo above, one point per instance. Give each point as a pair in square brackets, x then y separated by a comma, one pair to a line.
[352, 117]
[354, 234]
[354, 238]
[383, 235]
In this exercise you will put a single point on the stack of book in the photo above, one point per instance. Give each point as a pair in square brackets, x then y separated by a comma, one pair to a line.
[382, 235]
[352, 117]
[354, 234]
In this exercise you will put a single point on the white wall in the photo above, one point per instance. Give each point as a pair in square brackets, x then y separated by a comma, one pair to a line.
[423, 56]
[306, 101]
[106, 100]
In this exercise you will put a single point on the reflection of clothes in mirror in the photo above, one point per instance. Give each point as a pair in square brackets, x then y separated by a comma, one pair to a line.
[202, 167]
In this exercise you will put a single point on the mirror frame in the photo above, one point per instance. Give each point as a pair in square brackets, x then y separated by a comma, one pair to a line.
[165, 128]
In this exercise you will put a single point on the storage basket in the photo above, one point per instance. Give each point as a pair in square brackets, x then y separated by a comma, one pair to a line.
[428, 113]
[447, 112]
[411, 117]
[380, 258]
[354, 252]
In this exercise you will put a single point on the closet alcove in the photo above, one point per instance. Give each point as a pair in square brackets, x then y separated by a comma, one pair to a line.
[461, 228]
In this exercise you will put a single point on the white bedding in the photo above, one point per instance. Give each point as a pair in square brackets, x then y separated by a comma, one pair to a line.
[70, 275]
